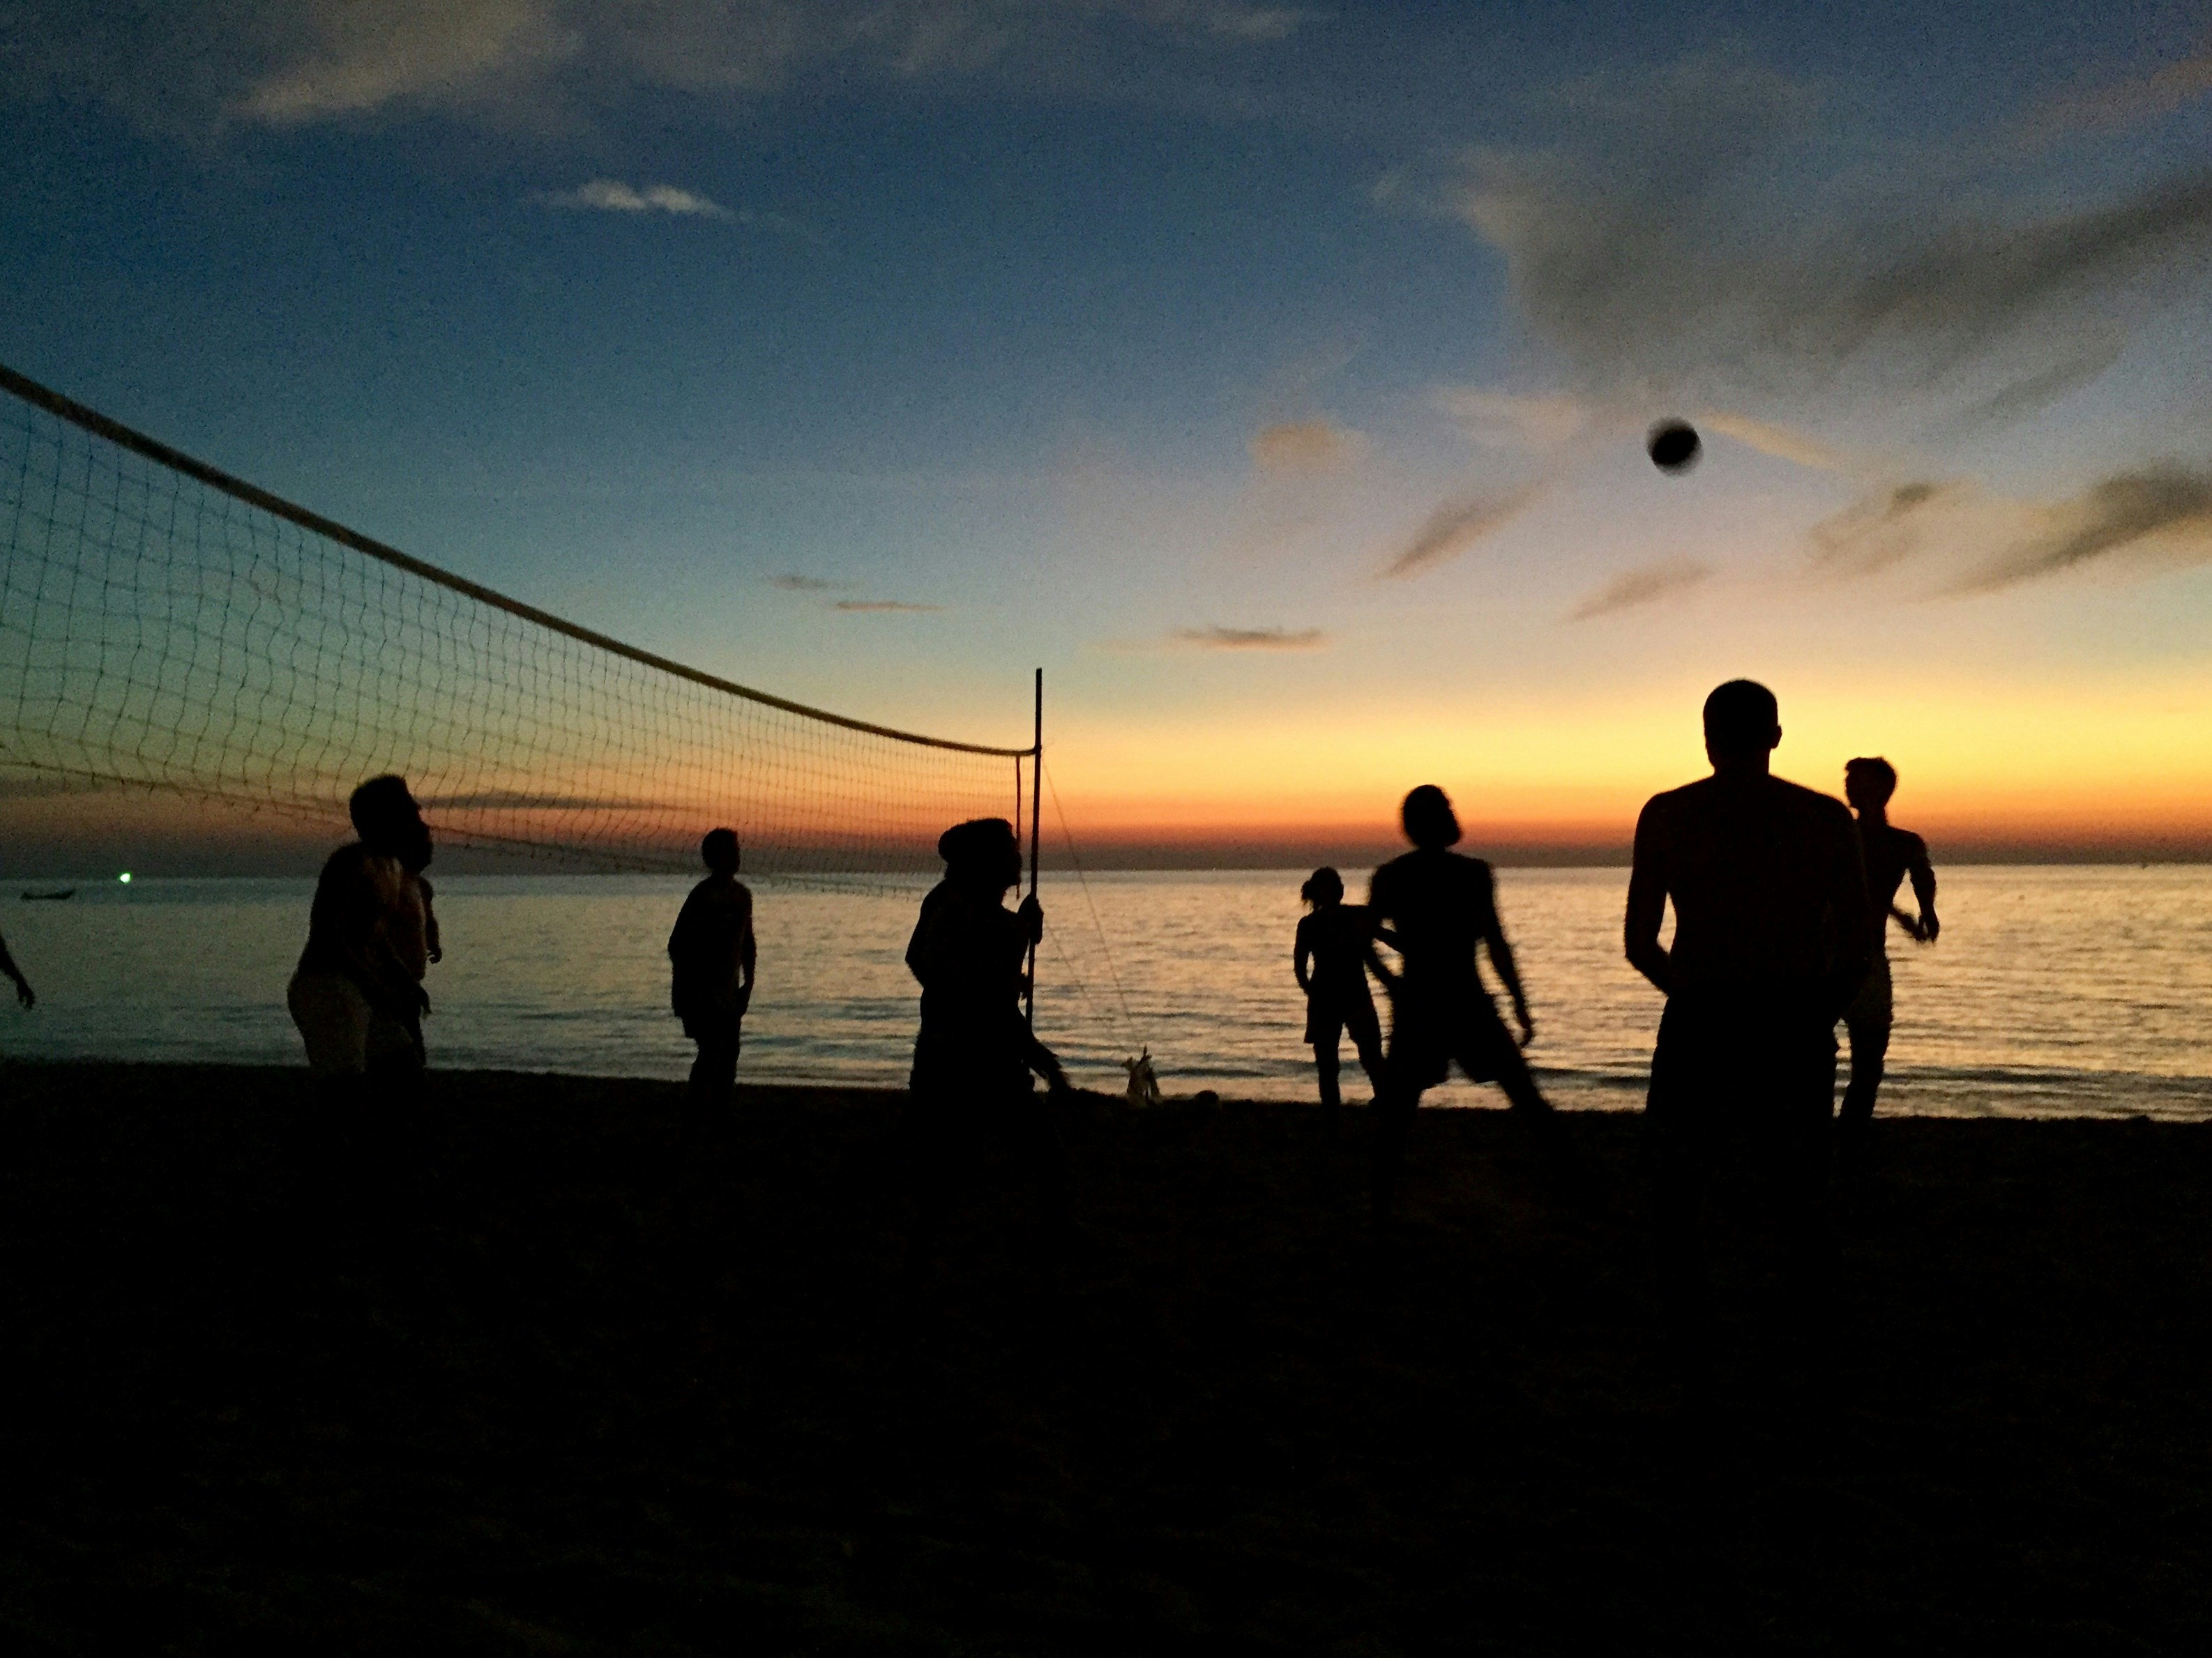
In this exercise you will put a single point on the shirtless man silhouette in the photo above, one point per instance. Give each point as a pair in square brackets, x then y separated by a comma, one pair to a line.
[1440, 905]
[1891, 854]
[712, 958]
[1769, 942]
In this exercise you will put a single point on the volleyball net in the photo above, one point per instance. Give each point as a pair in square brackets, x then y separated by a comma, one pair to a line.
[166, 627]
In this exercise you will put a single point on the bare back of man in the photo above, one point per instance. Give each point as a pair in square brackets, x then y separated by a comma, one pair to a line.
[1770, 942]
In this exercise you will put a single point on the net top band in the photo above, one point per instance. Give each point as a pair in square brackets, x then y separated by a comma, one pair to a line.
[93, 421]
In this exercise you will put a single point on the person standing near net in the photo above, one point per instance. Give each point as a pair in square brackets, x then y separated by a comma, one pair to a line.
[1440, 905]
[1334, 949]
[415, 937]
[357, 995]
[1771, 943]
[974, 1053]
[712, 957]
[23, 991]
[1891, 854]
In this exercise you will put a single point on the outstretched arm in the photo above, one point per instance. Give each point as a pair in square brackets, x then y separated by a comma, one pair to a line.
[1509, 975]
[23, 992]
[1647, 904]
[1923, 889]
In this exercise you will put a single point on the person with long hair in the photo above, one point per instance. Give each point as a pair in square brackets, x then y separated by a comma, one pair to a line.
[1334, 949]
[1441, 906]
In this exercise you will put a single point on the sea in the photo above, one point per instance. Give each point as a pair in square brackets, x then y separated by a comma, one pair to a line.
[2053, 991]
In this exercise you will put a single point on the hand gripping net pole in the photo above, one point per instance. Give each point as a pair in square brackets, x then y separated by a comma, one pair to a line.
[166, 627]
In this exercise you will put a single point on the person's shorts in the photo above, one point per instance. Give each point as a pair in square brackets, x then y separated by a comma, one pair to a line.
[1741, 1064]
[1425, 1042]
[1874, 1008]
[1328, 1019]
[343, 1034]
[720, 1030]
[333, 1018]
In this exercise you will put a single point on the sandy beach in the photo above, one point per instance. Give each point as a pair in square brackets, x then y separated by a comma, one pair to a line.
[550, 1388]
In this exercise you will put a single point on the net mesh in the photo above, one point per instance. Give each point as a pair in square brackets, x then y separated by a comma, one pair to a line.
[160, 630]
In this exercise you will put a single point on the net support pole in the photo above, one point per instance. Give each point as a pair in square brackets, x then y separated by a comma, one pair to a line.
[1037, 787]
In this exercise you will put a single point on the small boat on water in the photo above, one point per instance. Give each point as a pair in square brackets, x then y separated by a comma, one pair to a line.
[48, 897]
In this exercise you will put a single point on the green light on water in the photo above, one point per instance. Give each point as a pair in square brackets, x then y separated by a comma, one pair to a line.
[124, 877]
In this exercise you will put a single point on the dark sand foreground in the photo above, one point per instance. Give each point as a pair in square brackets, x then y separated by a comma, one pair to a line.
[578, 1398]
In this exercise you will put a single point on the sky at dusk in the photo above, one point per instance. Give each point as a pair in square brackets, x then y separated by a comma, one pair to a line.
[1274, 376]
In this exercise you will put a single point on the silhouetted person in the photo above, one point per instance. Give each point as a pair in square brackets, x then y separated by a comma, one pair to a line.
[1769, 942]
[1440, 905]
[415, 938]
[1891, 853]
[974, 1053]
[712, 958]
[23, 991]
[1335, 946]
[357, 995]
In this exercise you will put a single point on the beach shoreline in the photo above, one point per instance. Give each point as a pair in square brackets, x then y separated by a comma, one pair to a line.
[520, 1378]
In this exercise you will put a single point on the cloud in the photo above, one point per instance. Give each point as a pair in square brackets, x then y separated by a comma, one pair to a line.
[1689, 240]
[1252, 639]
[1509, 419]
[1457, 524]
[2123, 103]
[522, 800]
[804, 583]
[612, 195]
[886, 607]
[1783, 442]
[424, 51]
[1888, 526]
[1983, 541]
[1632, 588]
[2166, 504]
[1307, 447]
[332, 59]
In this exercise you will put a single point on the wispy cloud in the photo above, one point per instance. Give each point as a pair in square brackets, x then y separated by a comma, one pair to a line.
[1981, 541]
[792, 583]
[1307, 447]
[2123, 103]
[338, 58]
[525, 800]
[1632, 588]
[1251, 639]
[1784, 442]
[886, 606]
[436, 53]
[1511, 420]
[612, 195]
[1457, 526]
[1687, 242]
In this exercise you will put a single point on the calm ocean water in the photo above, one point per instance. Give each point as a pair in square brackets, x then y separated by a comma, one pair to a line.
[2074, 991]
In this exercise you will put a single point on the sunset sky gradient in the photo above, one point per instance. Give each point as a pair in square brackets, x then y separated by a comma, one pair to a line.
[1274, 376]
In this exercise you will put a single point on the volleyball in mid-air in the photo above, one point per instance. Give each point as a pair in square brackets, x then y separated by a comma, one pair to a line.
[1674, 447]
